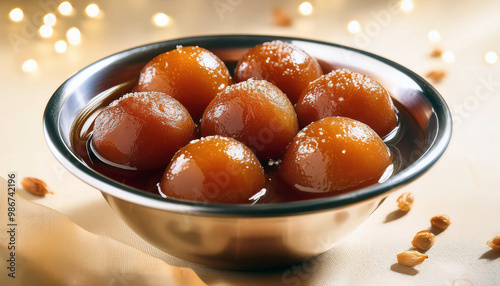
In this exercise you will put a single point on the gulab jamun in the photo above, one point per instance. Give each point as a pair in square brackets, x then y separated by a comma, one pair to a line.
[142, 130]
[281, 63]
[192, 75]
[214, 169]
[334, 154]
[254, 112]
[349, 94]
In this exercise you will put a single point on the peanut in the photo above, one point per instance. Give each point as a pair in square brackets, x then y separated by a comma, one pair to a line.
[405, 201]
[441, 222]
[436, 52]
[411, 258]
[282, 17]
[494, 243]
[35, 186]
[423, 240]
[436, 75]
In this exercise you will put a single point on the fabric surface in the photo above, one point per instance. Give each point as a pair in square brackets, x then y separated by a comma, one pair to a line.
[49, 249]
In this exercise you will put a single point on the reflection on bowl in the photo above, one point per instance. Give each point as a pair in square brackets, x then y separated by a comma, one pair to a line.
[246, 236]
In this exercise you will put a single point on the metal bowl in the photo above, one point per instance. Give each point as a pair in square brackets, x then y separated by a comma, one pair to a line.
[245, 236]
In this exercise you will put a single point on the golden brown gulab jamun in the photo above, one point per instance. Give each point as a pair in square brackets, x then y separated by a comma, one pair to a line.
[142, 130]
[214, 169]
[254, 112]
[192, 75]
[349, 94]
[334, 154]
[281, 63]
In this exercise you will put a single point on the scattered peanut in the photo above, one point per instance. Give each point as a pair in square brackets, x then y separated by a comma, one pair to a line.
[405, 201]
[494, 243]
[282, 17]
[423, 240]
[436, 52]
[411, 258]
[35, 186]
[436, 75]
[441, 222]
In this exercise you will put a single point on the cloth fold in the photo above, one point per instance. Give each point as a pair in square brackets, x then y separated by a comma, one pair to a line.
[50, 249]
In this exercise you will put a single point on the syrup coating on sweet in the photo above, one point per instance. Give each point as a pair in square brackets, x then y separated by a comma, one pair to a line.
[333, 154]
[192, 75]
[214, 169]
[349, 94]
[254, 112]
[142, 130]
[281, 63]
[259, 115]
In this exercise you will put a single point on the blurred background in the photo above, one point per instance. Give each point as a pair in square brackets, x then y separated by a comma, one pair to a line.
[453, 44]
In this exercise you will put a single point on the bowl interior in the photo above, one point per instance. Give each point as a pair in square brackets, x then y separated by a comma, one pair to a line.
[422, 101]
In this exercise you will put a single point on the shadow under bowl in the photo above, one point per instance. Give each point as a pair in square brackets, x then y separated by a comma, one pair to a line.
[246, 236]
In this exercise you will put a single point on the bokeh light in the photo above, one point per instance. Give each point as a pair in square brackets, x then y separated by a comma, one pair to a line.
[16, 15]
[491, 57]
[161, 19]
[65, 8]
[354, 27]
[74, 36]
[61, 46]
[29, 65]
[434, 36]
[305, 8]
[50, 19]
[407, 5]
[92, 10]
[448, 57]
[45, 31]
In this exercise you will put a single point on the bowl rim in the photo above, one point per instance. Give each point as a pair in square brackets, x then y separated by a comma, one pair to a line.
[68, 159]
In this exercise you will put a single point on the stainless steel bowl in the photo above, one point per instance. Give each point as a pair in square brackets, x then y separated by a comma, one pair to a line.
[245, 236]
